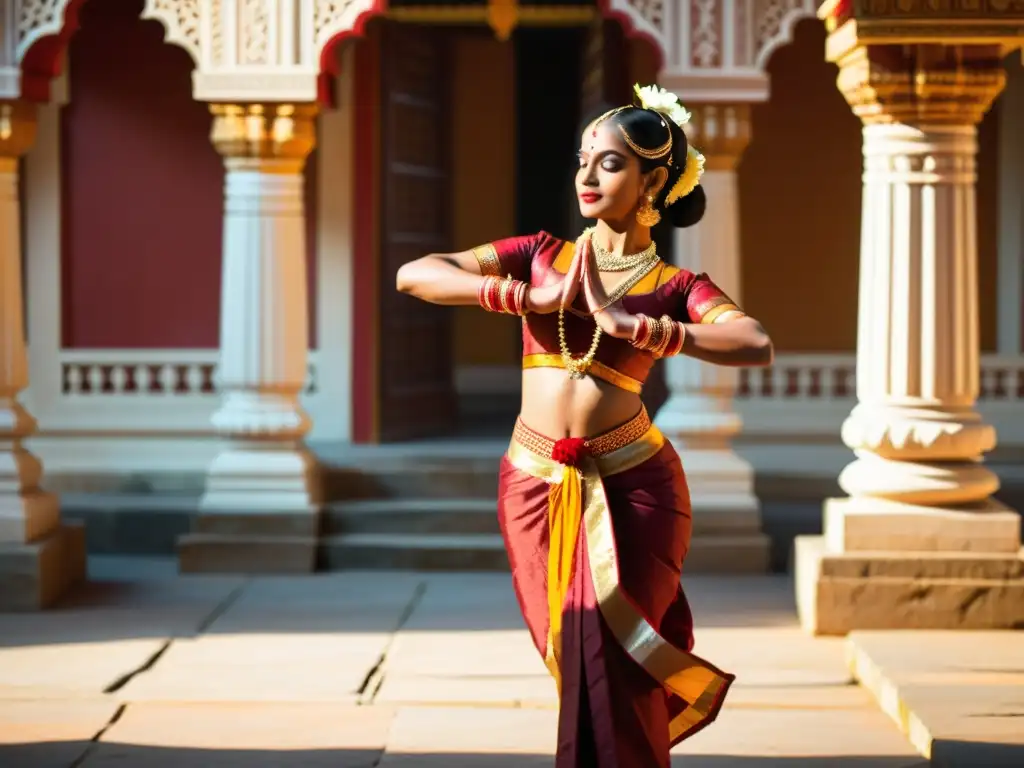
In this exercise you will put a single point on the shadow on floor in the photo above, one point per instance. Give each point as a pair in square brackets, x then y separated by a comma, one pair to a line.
[103, 755]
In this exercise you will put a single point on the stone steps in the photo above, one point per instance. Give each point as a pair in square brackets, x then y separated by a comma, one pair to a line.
[411, 516]
[413, 552]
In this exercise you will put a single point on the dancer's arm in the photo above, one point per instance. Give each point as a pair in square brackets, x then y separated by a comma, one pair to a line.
[455, 279]
[718, 331]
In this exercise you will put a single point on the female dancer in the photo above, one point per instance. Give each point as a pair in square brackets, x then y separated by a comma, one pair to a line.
[593, 503]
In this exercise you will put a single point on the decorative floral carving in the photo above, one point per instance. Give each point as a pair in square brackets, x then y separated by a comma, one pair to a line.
[181, 20]
[706, 34]
[255, 22]
[332, 17]
[38, 18]
[216, 34]
[651, 11]
[773, 22]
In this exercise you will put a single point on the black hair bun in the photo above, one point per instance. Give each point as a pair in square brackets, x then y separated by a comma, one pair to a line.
[687, 211]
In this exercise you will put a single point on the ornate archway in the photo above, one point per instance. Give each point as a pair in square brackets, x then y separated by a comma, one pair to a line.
[38, 31]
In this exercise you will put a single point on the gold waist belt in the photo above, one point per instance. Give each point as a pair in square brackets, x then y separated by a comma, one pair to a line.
[597, 370]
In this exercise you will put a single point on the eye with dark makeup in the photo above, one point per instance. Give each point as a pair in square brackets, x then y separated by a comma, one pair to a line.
[610, 161]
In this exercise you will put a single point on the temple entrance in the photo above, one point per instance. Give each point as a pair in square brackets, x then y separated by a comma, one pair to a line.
[473, 139]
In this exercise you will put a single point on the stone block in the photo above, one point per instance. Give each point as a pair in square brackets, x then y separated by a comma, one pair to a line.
[838, 593]
[304, 522]
[745, 554]
[36, 574]
[880, 525]
[227, 553]
[955, 695]
[413, 552]
[28, 517]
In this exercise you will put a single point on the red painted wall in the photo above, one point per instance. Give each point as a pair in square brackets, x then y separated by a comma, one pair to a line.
[142, 191]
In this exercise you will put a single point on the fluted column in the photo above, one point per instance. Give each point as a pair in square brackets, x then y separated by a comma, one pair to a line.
[259, 511]
[699, 417]
[915, 431]
[918, 542]
[39, 557]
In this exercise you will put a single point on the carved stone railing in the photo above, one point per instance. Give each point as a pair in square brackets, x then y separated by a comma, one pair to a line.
[135, 391]
[813, 394]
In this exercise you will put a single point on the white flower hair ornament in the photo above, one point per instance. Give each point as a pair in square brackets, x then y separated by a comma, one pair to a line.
[667, 104]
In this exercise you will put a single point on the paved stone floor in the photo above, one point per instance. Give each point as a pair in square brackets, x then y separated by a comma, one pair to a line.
[352, 670]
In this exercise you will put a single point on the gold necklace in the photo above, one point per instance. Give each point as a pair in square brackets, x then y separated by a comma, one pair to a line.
[609, 261]
[577, 367]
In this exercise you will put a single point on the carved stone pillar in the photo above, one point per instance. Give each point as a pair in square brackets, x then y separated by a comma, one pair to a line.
[698, 416]
[919, 542]
[39, 557]
[260, 512]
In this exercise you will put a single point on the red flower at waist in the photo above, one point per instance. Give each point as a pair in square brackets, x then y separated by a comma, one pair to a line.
[569, 451]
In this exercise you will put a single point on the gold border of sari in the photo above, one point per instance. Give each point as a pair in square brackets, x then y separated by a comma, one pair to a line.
[698, 683]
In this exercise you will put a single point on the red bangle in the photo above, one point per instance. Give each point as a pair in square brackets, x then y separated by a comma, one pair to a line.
[675, 345]
[506, 296]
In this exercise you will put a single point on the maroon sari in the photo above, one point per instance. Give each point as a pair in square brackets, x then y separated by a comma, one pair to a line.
[596, 533]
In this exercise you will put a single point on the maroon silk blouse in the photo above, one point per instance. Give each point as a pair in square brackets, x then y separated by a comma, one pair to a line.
[541, 259]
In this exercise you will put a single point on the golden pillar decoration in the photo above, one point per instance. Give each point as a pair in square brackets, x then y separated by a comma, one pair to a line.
[259, 512]
[264, 132]
[17, 128]
[503, 16]
[919, 514]
[720, 131]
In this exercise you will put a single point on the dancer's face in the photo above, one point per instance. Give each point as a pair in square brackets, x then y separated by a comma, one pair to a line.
[609, 184]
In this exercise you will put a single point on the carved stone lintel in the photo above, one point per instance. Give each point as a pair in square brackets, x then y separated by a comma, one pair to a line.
[921, 84]
[721, 132]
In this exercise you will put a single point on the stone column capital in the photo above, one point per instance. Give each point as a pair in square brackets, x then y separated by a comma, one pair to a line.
[920, 84]
[721, 131]
[17, 128]
[256, 132]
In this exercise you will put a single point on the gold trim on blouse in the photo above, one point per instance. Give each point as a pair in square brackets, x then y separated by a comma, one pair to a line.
[597, 370]
[487, 258]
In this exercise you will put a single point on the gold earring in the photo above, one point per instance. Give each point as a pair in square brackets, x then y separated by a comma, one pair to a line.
[646, 215]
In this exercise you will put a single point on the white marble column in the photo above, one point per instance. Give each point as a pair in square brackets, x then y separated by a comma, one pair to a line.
[915, 431]
[919, 542]
[39, 557]
[259, 511]
[699, 417]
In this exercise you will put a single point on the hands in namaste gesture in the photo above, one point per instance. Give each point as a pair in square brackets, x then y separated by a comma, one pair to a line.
[584, 277]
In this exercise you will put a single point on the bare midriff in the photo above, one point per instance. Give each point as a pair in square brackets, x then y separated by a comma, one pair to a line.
[557, 406]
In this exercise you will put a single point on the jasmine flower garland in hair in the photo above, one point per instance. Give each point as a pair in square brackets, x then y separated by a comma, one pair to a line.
[666, 103]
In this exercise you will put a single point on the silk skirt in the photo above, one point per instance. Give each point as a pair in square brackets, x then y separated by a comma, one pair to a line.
[596, 537]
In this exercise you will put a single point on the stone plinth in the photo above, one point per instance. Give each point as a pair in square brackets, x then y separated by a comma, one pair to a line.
[840, 592]
[35, 574]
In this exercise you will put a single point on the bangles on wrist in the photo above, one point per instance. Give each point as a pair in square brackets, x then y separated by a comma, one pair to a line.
[662, 337]
[503, 295]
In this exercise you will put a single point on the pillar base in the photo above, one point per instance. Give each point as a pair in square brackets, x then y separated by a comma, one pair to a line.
[259, 514]
[880, 525]
[841, 592]
[35, 575]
